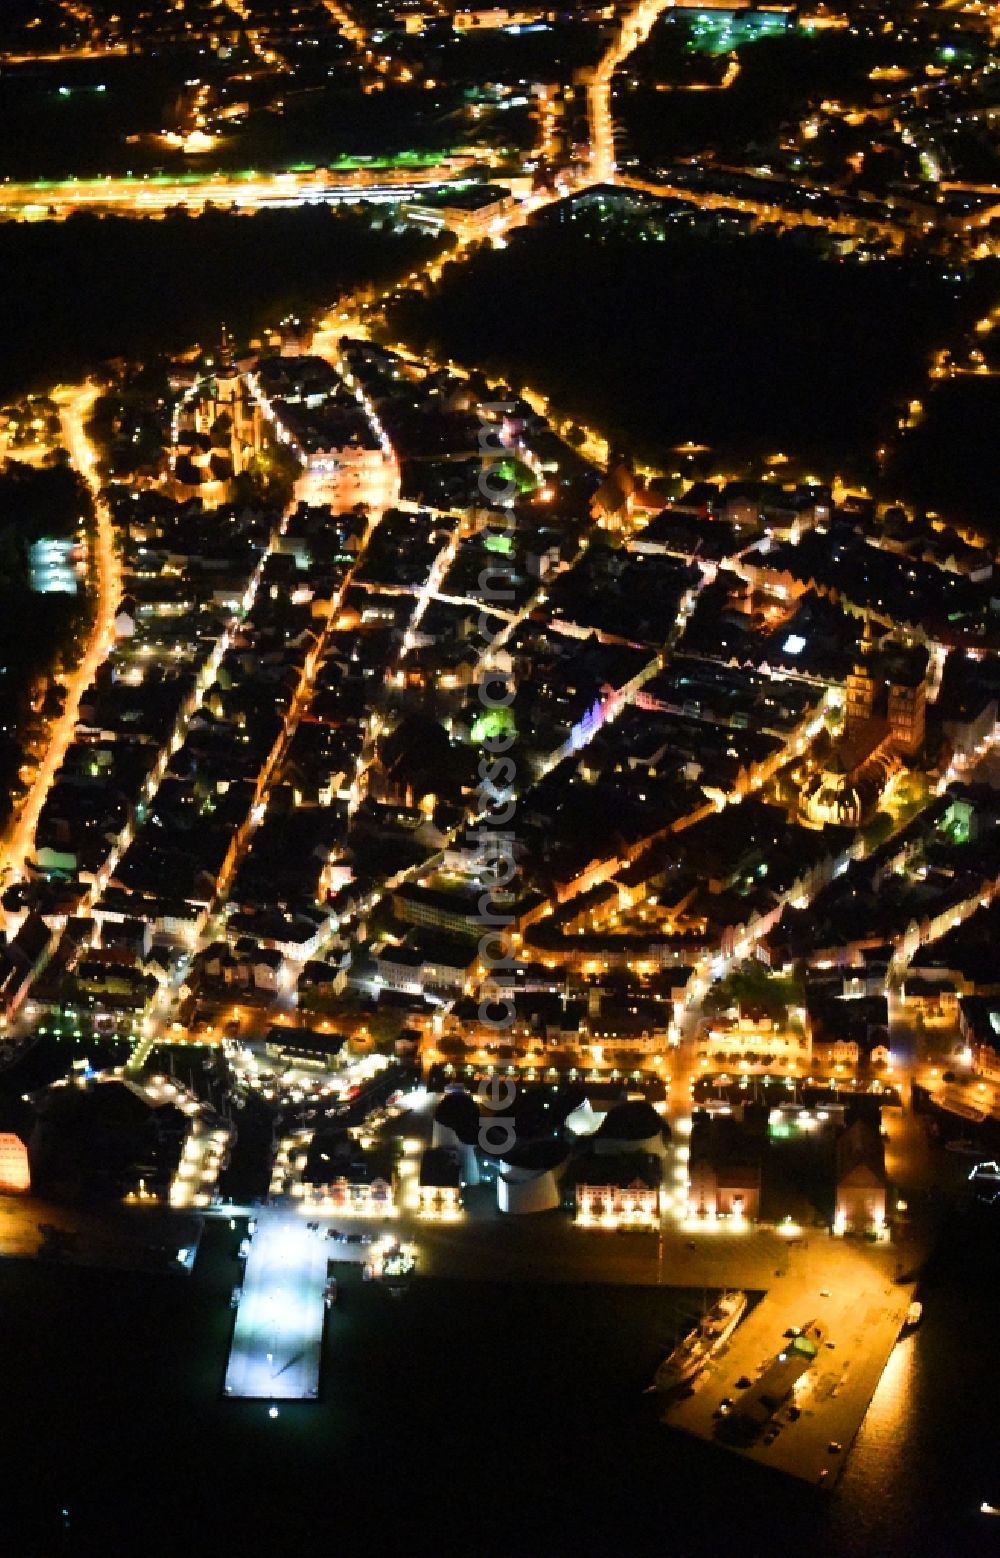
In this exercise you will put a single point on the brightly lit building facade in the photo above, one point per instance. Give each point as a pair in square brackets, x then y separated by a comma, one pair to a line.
[618, 1206]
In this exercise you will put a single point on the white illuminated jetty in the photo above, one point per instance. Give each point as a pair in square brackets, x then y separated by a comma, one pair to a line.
[277, 1343]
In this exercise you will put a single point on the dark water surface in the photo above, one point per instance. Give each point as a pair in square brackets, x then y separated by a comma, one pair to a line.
[479, 1418]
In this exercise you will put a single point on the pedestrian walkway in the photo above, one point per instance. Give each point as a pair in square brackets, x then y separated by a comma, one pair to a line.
[277, 1343]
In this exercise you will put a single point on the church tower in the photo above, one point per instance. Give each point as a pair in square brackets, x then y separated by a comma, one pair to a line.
[861, 684]
[231, 401]
[227, 376]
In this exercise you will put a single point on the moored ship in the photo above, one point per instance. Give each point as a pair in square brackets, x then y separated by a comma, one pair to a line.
[688, 1359]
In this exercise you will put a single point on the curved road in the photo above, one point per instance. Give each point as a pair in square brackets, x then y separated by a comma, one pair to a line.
[635, 28]
[75, 404]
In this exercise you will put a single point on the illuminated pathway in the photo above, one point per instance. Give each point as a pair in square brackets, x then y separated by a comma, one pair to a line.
[352, 30]
[128, 196]
[765, 210]
[86, 51]
[75, 405]
[277, 1344]
[635, 29]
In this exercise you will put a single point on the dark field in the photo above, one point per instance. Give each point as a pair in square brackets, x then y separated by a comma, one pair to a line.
[747, 344]
[81, 291]
[951, 462]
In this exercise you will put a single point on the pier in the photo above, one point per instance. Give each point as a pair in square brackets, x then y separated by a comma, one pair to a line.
[859, 1313]
[277, 1344]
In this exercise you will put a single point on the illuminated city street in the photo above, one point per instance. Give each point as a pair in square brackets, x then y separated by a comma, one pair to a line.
[500, 843]
[245, 192]
[75, 406]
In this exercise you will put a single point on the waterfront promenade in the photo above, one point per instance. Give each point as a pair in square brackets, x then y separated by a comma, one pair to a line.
[849, 1286]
